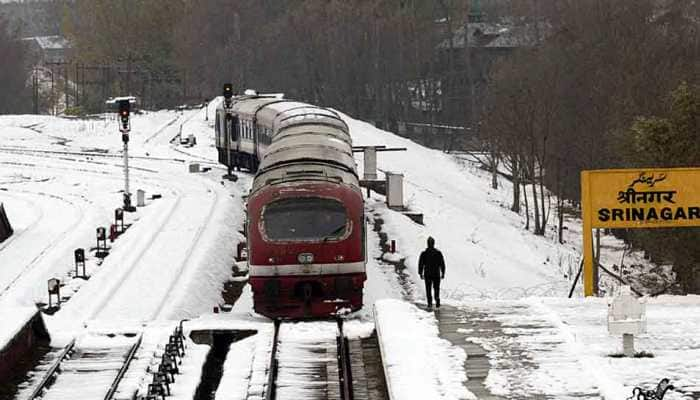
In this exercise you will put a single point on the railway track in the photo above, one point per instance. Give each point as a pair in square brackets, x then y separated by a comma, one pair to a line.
[92, 154]
[319, 367]
[187, 195]
[85, 370]
[59, 236]
[60, 242]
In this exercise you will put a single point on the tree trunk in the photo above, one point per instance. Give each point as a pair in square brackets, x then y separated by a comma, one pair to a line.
[560, 215]
[527, 207]
[494, 170]
[560, 203]
[516, 188]
[535, 205]
[545, 212]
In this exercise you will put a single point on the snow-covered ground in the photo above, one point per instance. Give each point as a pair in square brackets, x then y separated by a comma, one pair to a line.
[61, 178]
[417, 364]
[551, 347]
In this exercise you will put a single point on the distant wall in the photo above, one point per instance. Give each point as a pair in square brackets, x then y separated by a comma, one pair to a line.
[5, 227]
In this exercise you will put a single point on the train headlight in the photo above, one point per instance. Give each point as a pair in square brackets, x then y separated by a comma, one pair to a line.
[305, 258]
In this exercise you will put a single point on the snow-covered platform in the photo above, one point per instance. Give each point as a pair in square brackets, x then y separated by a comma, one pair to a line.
[535, 348]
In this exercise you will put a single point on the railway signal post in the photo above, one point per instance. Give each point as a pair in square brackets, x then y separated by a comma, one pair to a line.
[124, 109]
[228, 103]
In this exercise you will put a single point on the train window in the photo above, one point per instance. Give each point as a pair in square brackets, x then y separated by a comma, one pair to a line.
[306, 219]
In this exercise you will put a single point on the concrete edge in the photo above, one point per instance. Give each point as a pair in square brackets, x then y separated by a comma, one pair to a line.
[387, 377]
[22, 342]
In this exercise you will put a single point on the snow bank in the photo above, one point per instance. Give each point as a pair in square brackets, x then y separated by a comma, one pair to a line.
[237, 370]
[672, 326]
[487, 252]
[13, 319]
[417, 364]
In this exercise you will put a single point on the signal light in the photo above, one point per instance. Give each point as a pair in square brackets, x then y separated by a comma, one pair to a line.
[124, 110]
[124, 107]
[228, 94]
[228, 90]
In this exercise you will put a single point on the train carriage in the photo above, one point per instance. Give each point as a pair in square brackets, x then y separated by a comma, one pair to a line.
[305, 212]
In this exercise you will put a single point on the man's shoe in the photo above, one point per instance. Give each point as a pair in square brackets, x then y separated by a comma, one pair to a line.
[437, 305]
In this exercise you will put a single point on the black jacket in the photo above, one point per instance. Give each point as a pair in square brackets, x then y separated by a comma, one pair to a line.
[431, 264]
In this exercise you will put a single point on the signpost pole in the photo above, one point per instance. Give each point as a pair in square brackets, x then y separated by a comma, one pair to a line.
[127, 193]
[588, 288]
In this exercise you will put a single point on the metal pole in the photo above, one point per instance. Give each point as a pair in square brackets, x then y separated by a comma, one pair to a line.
[127, 193]
[228, 141]
[588, 283]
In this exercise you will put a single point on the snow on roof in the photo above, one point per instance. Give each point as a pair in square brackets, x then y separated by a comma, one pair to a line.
[51, 42]
[497, 35]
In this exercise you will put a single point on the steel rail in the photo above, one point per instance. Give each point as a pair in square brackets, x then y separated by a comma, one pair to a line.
[51, 371]
[344, 364]
[271, 392]
[122, 371]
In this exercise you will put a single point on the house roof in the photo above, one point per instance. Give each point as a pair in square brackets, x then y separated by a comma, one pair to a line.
[50, 42]
[496, 35]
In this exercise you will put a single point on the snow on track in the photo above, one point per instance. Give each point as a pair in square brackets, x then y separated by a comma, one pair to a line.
[90, 369]
[70, 207]
[142, 294]
[27, 250]
[153, 269]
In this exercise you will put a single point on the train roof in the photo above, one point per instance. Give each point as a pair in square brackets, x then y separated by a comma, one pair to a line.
[303, 135]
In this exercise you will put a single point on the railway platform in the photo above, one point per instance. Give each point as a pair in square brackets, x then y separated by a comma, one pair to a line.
[513, 351]
[456, 325]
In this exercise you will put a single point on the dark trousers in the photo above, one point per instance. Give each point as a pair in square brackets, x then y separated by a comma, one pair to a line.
[435, 284]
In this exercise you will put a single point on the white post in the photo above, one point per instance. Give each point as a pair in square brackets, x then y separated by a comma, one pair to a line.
[370, 163]
[126, 169]
[140, 198]
[394, 190]
[626, 317]
[628, 344]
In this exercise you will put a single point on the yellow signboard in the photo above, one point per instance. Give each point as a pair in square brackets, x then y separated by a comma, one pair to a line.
[636, 198]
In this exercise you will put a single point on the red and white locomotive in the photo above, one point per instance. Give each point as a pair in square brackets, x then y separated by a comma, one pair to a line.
[305, 212]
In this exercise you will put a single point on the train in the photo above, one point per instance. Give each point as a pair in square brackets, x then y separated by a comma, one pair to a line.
[305, 223]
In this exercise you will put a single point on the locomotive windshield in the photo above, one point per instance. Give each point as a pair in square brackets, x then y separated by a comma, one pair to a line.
[308, 219]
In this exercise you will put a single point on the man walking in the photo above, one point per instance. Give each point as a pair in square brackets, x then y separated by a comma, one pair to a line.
[431, 268]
